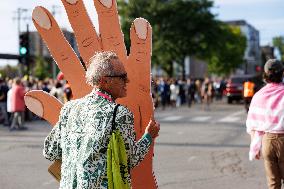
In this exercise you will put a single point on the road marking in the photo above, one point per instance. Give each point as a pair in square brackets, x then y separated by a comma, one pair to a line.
[161, 115]
[237, 113]
[200, 118]
[232, 117]
[172, 118]
[48, 182]
[191, 158]
[229, 119]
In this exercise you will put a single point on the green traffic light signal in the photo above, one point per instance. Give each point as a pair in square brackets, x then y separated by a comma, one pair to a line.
[24, 44]
[23, 50]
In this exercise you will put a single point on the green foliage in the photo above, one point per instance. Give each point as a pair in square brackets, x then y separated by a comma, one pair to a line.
[184, 27]
[228, 52]
[180, 28]
[41, 69]
[279, 43]
[9, 71]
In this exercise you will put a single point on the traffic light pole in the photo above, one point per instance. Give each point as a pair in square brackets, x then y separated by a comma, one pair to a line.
[28, 57]
[19, 17]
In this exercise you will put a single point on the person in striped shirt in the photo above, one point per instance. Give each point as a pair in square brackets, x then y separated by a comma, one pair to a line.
[265, 123]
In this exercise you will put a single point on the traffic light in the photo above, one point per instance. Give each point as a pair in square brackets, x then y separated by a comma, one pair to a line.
[24, 44]
[24, 48]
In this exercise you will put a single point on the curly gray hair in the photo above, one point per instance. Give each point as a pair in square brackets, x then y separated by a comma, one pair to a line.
[100, 65]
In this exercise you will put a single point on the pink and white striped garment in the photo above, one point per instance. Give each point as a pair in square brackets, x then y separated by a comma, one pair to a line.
[266, 114]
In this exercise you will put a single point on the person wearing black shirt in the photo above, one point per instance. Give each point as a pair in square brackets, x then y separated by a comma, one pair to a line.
[3, 102]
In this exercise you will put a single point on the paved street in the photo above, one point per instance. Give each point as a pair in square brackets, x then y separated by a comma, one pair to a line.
[204, 149]
[196, 149]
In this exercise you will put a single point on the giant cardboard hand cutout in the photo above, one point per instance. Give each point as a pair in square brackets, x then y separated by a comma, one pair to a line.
[137, 65]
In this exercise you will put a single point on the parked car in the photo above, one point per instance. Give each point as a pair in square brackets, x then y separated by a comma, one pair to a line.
[234, 87]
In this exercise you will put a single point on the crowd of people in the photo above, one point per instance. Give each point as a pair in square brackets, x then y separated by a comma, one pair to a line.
[167, 92]
[13, 112]
[177, 92]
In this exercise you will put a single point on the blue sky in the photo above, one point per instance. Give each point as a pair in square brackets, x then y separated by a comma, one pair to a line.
[267, 16]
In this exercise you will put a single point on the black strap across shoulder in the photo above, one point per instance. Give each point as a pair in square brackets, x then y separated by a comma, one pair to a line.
[103, 150]
[113, 118]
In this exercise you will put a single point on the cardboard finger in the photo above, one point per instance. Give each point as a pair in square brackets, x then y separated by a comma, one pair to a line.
[86, 36]
[138, 67]
[44, 105]
[141, 45]
[111, 34]
[139, 61]
[143, 175]
[61, 51]
[139, 98]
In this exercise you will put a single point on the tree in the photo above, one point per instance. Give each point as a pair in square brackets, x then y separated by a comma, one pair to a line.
[228, 52]
[42, 68]
[180, 28]
[9, 71]
[279, 43]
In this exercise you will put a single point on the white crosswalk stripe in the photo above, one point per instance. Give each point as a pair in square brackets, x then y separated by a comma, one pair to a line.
[232, 117]
[172, 118]
[200, 118]
[229, 119]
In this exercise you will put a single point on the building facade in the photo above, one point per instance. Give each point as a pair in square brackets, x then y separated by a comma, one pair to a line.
[267, 52]
[38, 48]
[252, 56]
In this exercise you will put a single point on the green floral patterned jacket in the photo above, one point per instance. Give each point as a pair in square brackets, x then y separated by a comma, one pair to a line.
[81, 136]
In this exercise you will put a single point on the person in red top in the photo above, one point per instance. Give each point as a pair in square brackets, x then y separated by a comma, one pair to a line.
[18, 103]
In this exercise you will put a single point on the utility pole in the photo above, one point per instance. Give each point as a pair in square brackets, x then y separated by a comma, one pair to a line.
[19, 17]
[28, 54]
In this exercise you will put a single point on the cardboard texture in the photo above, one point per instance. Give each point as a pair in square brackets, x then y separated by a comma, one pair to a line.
[137, 65]
[55, 170]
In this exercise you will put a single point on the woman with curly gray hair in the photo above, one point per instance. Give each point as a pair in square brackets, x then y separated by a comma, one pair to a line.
[81, 135]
